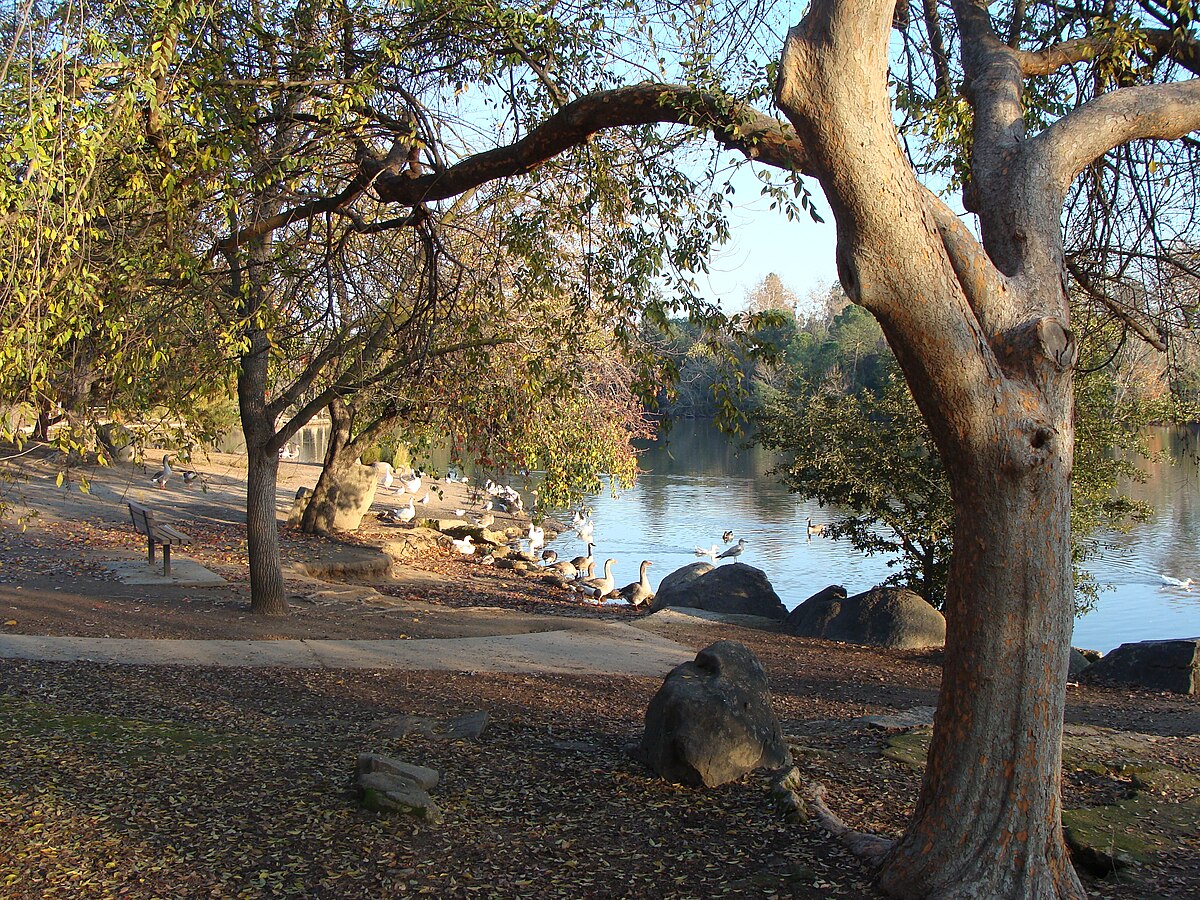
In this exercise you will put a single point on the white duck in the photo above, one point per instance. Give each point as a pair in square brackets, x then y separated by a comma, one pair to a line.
[537, 538]
[388, 476]
[711, 551]
[464, 546]
[1168, 581]
[407, 513]
[412, 483]
[640, 591]
[598, 588]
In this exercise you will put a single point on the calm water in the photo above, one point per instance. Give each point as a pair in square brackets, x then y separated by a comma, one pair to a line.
[698, 483]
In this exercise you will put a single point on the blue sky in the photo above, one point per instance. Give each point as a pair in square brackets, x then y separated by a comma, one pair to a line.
[800, 252]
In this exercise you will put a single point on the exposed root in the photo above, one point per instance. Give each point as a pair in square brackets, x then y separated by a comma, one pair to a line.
[870, 848]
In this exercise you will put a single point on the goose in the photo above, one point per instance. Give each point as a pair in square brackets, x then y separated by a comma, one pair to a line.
[598, 588]
[727, 537]
[549, 557]
[563, 569]
[412, 483]
[735, 551]
[711, 551]
[406, 513]
[581, 516]
[162, 475]
[582, 562]
[289, 451]
[388, 476]
[818, 530]
[639, 592]
[585, 531]
[537, 538]
[1168, 581]
[464, 546]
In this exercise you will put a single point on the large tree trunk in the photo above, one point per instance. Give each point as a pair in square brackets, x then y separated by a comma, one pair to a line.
[988, 361]
[988, 820]
[321, 509]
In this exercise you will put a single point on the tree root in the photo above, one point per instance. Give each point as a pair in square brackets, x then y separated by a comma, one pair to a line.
[869, 848]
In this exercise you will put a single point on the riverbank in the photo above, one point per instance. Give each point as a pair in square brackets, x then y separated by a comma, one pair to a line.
[187, 780]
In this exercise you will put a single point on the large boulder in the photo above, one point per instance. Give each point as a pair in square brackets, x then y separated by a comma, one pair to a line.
[117, 441]
[1159, 665]
[881, 617]
[740, 589]
[712, 722]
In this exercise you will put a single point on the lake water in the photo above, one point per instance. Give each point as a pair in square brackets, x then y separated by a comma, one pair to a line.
[697, 483]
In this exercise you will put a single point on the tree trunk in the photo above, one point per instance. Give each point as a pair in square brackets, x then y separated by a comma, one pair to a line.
[268, 596]
[321, 508]
[988, 360]
[987, 823]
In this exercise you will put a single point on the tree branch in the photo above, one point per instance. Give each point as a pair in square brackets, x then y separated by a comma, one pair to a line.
[736, 125]
[870, 848]
[1184, 51]
[1140, 328]
[1158, 112]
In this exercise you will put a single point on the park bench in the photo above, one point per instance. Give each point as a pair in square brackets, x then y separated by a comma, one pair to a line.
[156, 532]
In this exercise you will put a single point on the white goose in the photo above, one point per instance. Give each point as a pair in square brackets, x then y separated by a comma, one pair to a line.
[407, 513]
[1168, 581]
[388, 476]
[412, 483]
[537, 538]
[639, 592]
[464, 546]
[598, 588]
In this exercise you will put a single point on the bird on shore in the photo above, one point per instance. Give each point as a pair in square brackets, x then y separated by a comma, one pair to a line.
[639, 592]
[537, 538]
[582, 562]
[1168, 581]
[412, 482]
[485, 521]
[735, 551]
[727, 536]
[385, 479]
[406, 513]
[424, 501]
[289, 451]
[164, 474]
[818, 530]
[189, 476]
[598, 588]
[464, 545]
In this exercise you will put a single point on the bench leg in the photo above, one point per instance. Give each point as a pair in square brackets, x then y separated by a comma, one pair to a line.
[166, 559]
[150, 546]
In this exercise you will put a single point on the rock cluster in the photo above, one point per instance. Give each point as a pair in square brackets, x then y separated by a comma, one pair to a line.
[392, 785]
[881, 617]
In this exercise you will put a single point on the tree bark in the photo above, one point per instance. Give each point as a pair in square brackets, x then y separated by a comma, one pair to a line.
[321, 508]
[985, 350]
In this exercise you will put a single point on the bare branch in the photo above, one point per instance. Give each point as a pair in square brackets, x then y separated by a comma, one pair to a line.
[1158, 112]
[1126, 315]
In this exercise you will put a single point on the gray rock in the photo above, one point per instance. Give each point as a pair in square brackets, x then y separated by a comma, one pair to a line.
[1076, 663]
[917, 717]
[712, 722]
[424, 778]
[673, 583]
[385, 792]
[468, 726]
[880, 617]
[737, 588]
[299, 504]
[1158, 665]
[117, 441]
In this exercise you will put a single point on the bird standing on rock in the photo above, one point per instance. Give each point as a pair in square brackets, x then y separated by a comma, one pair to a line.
[735, 551]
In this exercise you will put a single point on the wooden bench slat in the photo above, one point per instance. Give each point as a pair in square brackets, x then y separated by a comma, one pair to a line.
[145, 522]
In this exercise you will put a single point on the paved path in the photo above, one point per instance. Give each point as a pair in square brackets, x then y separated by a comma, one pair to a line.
[600, 648]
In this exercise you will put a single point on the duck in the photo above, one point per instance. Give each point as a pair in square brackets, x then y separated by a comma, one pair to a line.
[388, 476]
[189, 476]
[406, 513]
[585, 531]
[818, 530]
[639, 592]
[537, 538]
[163, 475]
[735, 551]
[464, 545]
[1168, 581]
[412, 482]
[598, 588]
[727, 537]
